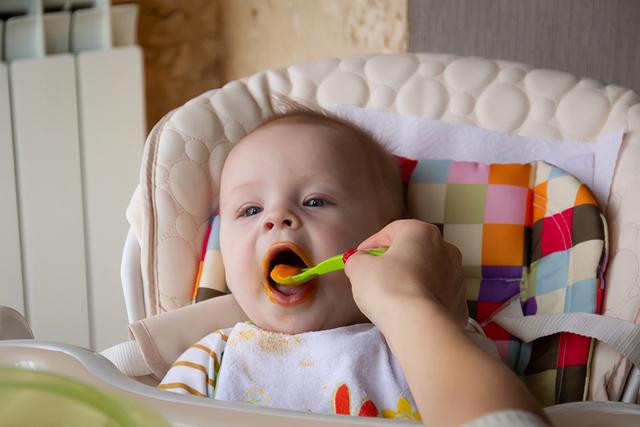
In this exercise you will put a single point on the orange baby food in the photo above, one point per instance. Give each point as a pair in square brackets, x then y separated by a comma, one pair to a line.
[282, 272]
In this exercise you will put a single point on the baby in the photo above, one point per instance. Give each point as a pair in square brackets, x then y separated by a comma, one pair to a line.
[301, 188]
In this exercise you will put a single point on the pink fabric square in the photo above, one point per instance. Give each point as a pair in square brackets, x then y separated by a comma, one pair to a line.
[505, 204]
[468, 173]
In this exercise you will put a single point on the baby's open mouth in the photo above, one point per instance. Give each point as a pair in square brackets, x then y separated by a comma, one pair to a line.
[289, 254]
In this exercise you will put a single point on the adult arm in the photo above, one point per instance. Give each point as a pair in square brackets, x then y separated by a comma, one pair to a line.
[414, 294]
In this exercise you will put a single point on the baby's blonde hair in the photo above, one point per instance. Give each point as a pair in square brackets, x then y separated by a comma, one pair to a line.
[378, 158]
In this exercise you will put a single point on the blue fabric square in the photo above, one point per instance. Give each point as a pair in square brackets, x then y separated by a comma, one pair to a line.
[214, 236]
[430, 170]
[513, 353]
[581, 297]
[552, 272]
[555, 173]
[524, 357]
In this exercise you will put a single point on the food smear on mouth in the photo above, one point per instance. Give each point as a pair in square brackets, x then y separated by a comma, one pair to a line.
[281, 262]
[288, 295]
[282, 272]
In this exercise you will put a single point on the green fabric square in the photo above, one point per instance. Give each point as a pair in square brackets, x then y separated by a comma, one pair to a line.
[543, 386]
[464, 204]
[471, 271]
[473, 288]
[531, 275]
[570, 383]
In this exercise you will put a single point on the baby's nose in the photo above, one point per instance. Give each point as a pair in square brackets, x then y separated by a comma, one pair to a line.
[281, 220]
[285, 223]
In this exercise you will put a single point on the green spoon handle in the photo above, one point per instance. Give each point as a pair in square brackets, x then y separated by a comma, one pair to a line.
[329, 265]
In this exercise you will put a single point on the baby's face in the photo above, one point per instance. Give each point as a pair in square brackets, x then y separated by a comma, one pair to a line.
[294, 193]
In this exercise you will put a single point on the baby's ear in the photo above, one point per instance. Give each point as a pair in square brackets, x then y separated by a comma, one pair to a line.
[210, 281]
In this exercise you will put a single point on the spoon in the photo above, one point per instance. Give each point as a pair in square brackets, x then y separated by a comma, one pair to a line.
[290, 275]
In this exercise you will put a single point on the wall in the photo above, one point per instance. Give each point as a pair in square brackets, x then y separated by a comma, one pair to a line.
[182, 52]
[259, 34]
[592, 38]
[196, 45]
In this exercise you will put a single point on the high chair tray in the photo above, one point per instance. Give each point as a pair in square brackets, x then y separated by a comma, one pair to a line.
[93, 369]
[181, 411]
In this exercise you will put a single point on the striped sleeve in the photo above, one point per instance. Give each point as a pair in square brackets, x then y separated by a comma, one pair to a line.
[196, 370]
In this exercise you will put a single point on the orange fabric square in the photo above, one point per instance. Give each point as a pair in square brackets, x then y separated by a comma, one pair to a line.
[502, 244]
[584, 197]
[510, 174]
[539, 201]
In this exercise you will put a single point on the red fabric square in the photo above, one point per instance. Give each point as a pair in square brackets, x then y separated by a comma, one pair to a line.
[573, 350]
[496, 332]
[205, 241]
[485, 309]
[556, 232]
[406, 167]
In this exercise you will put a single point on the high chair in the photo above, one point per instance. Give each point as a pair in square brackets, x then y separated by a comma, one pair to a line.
[180, 173]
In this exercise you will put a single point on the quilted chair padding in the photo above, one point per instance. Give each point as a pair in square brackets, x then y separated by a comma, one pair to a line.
[185, 151]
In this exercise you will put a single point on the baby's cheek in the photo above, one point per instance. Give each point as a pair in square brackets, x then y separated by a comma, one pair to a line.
[350, 231]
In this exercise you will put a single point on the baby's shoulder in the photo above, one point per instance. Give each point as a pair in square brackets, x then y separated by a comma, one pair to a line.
[215, 338]
[211, 345]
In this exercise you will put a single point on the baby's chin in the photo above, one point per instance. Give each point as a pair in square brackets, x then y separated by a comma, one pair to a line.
[291, 324]
[299, 323]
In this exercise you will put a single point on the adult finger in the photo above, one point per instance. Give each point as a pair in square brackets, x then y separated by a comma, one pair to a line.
[386, 236]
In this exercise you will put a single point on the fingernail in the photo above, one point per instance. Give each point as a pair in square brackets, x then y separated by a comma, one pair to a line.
[348, 254]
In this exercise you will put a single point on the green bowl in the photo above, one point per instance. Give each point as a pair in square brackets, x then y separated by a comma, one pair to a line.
[43, 399]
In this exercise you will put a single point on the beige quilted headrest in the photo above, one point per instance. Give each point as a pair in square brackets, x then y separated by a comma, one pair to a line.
[185, 151]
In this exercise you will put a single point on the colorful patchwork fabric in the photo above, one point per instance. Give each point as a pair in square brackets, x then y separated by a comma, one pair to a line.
[210, 281]
[527, 231]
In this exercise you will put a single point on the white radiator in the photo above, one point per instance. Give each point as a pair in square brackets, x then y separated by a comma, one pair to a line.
[72, 129]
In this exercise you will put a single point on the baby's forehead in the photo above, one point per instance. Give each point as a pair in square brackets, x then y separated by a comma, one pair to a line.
[331, 130]
[303, 149]
[299, 137]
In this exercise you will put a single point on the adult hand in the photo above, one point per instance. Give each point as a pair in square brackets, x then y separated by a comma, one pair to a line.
[418, 264]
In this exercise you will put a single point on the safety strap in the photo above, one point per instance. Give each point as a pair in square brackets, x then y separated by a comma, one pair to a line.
[623, 336]
[127, 357]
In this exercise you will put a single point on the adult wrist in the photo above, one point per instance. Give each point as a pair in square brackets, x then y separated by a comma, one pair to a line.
[408, 311]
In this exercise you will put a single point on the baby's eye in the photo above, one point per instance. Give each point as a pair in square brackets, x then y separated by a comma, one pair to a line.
[251, 211]
[314, 203]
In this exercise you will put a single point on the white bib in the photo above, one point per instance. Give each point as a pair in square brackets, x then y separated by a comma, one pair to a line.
[348, 370]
